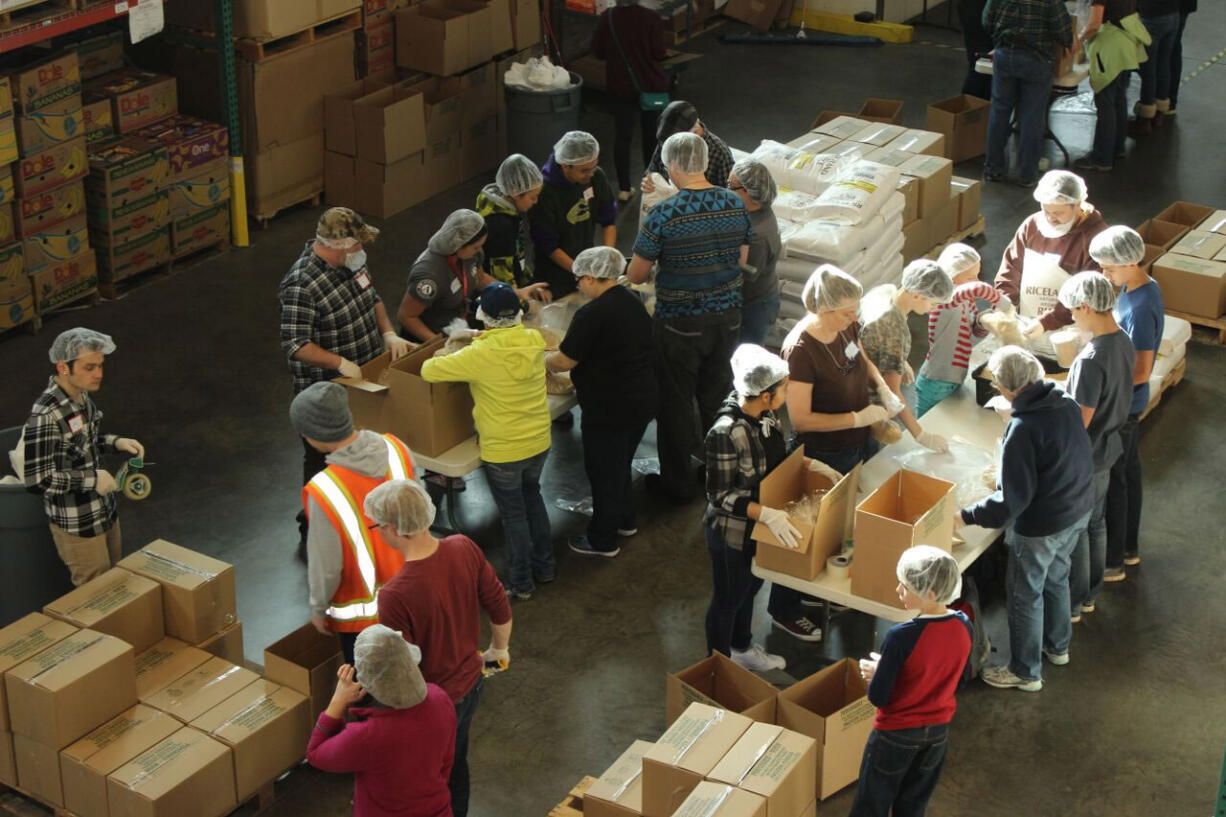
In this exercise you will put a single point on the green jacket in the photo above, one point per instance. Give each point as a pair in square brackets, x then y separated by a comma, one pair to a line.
[1115, 49]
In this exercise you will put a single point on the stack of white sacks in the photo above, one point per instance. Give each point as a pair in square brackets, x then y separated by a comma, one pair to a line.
[1176, 332]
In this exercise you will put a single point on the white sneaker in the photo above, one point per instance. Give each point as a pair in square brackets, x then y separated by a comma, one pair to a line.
[1058, 659]
[757, 659]
[1002, 678]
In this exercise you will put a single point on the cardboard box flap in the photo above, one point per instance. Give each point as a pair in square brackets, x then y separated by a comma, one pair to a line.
[785, 484]
[116, 742]
[29, 636]
[699, 738]
[827, 693]
[622, 782]
[718, 682]
[1215, 223]
[245, 712]
[911, 499]
[1185, 213]
[162, 768]
[63, 663]
[364, 385]
[720, 800]
[100, 597]
[176, 565]
[745, 754]
[164, 663]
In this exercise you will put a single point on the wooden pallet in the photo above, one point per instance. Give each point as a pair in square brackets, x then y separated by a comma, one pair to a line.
[85, 301]
[261, 219]
[34, 10]
[972, 231]
[698, 30]
[16, 802]
[258, 50]
[114, 290]
[572, 806]
[193, 257]
[1209, 323]
[1173, 378]
[31, 326]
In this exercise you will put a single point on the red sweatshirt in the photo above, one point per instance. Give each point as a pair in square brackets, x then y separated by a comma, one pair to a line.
[436, 603]
[400, 758]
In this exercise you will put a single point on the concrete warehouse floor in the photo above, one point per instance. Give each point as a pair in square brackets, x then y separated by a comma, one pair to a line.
[1133, 726]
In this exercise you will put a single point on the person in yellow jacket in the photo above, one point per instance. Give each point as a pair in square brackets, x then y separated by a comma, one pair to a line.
[347, 558]
[505, 368]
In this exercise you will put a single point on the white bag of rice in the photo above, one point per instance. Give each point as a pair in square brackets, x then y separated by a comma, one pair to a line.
[858, 193]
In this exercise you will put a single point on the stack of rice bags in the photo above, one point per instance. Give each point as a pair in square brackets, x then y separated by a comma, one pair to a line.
[1176, 332]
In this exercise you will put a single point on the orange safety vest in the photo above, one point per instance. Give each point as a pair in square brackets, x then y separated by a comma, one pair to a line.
[369, 562]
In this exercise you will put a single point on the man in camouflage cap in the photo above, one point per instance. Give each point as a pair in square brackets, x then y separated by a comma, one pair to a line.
[332, 320]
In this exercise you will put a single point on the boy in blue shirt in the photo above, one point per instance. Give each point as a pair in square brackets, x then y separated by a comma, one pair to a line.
[1138, 311]
[912, 682]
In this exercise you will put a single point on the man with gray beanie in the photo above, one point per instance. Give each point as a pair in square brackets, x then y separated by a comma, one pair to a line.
[347, 559]
[63, 456]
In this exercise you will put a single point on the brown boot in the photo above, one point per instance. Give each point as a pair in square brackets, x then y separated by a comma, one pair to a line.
[1161, 106]
[1143, 124]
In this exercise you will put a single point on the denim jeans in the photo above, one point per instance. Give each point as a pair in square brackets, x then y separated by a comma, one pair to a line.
[607, 455]
[899, 771]
[733, 588]
[459, 780]
[1089, 559]
[1177, 60]
[1038, 596]
[1111, 125]
[516, 487]
[1124, 497]
[929, 392]
[1156, 71]
[1021, 82]
[758, 316]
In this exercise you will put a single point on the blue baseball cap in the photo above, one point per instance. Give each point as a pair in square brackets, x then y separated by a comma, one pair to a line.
[499, 301]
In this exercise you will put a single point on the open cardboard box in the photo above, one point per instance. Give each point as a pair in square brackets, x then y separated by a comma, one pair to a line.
[719, 682]
[881, 110]
[820, 539]
[306, 662]
[1160, 233]
[963, 120]
[1185, 213]
[684, 754]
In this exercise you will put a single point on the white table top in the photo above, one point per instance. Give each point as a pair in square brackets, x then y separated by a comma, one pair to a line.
[958, 415]
[464, 458]
[1076, 75]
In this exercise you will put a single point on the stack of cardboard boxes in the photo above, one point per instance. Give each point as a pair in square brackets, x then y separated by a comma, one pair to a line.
[1186, 244]
[375, 52]
[16, 299]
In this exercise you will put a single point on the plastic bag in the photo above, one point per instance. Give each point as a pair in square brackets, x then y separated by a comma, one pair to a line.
[646, 465]
[1005, 326]
[459, 335]
[664, 189]
[558, 383]
[581, 505]
[964, 465]
[806, 508]
[537, 74]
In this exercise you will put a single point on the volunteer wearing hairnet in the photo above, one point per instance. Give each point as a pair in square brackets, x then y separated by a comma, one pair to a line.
[1139, 312]
[446, 625]
[1048, 247]
[699, 241]
[886, 338]
[399, 746]
[953, 326]
[332, 320]
[504, 368]
[610, 353]
[1100, 380]
[504, 205]
[1043, 499]
[63, 450]
[682, 117]
[576, 197]
[755, 187]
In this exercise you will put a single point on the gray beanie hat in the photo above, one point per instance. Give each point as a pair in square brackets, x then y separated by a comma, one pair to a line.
[321, 413]
[387, 668]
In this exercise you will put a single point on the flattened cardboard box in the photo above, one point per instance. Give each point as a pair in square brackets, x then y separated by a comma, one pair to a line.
[619, 791]
[685, 754]
[84, 765]
[164, 663]
[39, 131]
[64, 282]
[140, 254]
[306, 662]
[117, 603]
[59, 165]
[719, 682]
[721, 800]
[23, 639]
[50, 85]
[124, 170]
[191, 144]
[187, 773]
[42, 211]
[65, 691]
[139, 98]
[13, 280]
[775, 763]
[201, 689]
[197, 590]
[227, 644]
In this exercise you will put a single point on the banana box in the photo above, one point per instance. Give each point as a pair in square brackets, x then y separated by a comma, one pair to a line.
[56, 244]
[7, 191]
[124, 170]
[53, 84]
[138, 98]
[134, 219]
[192, 143]
[6, 97]
[100, 55]
[13, 280]
[123, 260]
[17, 311]
[37, 213]
[98, 121]
[8, 140]
[202, 192]
[39, 131]
[58, 165]
[64, 282]
[8, 229]
[196, 231]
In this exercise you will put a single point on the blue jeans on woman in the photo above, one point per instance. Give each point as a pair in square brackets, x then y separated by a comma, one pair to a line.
[1156, 71]
[757, 318]
[899, 771]
[1111, 125]
[1177, 60]
[1021, 82]
[733, 588]
[516, 487]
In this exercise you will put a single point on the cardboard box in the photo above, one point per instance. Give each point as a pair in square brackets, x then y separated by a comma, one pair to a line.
[40, 212]
[384, 190]
[164, 663]
[840, 126]
[340, 126]
[907, 509]
[444, 164]
[721, 800]
[501, 37]
[100, 55]
[21, 641]
[1191, 285]
[137, 255]
[526, 23]
[197, 590]
[934, 173]
[775, 763]
[306, 662]
[266, 726]
[909, 187]
[970, 192]
[138, 98]
[1162, 234]
[134, 220]
[124, 171]
[62, 163]
[193, 146]
[480, 148]
[227, 644]
[442, 100]
[920, 141]
[6, 97]
[719, 682]
[187, 773]
[98, 121]
[285, 175]
[8, 763]
[852, 150]
[117, 603]
[269, 19]
[685, 753]
[50, 85]
[340, 181]
[85, 765]
[389, 124]
[879, 134]
[39, 131]
[38, 770]
[1200, 244]
[1215, 223]
[757, 13]
[963, 120]
[444, 37]
[882, 110]
[916, 240]
[943, 222]
[68, 689]
[831, 707]
[13, 280]
[890, 156]
[8, 141]
[788, 482]
[8, 191]
[201, 229]
[393, 398]
[813, 142]
[477, 100]
[196, 692]
[64, 282]
[619, 791]
[16, 311]
[203, 192]
[1185, 213]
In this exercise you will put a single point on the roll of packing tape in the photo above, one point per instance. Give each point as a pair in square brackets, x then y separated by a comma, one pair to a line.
[837, 566]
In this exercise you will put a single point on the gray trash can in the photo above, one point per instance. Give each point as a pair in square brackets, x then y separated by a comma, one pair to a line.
[32, 573]
[537, 119]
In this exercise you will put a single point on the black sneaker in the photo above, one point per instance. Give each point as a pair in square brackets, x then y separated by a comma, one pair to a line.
[800, 627]
[519, 595]
[583, 546]
[993, 176]
[302, 551]
[627, 531]
[453, 484]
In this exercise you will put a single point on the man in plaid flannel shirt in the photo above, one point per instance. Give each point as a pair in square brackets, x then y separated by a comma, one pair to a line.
[63, 445]
[332, 320]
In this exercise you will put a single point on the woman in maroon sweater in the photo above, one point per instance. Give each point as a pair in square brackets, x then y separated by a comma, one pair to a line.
[401, 746]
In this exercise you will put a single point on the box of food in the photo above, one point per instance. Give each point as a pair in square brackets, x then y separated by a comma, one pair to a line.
[1214, 223]
[774, 763]
[840, 126]
[193, 146]
[934, 174]
[13, 280]
[132, 220]
[878, 134]
[969, 192]
[64, 282]
[8, 192]
[200, 229]
[62, 163]
[8, 141]
[85, 765]
[196, 692]
[227, 644]
[164, 663]
[139, 98]
[920, 141]
[39, 212]
[38, 770]
[8, 763]
[123, 171]
[6, 98]
[17, 311]
[98, 121]
[1200, 244]
[23, 639]
[306, 662]
[719, 682]
[7, 226]
[197, 590]
[117, 603]
[124, 260]
[619, 791]
[53, 84]
[963, 120]
[1193, 285]
[685, 753]
[187, 773]
[37, 132]
[100, 55]
[709, 799]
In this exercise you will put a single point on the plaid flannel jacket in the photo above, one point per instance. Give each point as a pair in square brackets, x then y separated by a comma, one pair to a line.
[737, 460]
[1037, 26]
[327, 306]
[62, 447]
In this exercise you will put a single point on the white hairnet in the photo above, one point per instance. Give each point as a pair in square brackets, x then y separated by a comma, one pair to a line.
[386, 669]
[1118, 246]
[685, 151]
[1091, 289]
[576, 147]
[599, 262]
[401, 503]
[928, 279]
[499, 323]
[957, 258]
[1014, 368]
[755, 370]
[72, 343]
[828, 288]
[757, 180]
[926, 569]
[1060, 187]
[458, 229]
[517, 175]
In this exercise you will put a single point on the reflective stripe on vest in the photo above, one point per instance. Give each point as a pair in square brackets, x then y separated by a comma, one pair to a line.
[395, 461]
[355, 530]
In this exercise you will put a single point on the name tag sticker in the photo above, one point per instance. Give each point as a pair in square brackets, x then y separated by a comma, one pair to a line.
[589, 194]
[363, 280]
[851, 351]
[75, 423]
[455, 285]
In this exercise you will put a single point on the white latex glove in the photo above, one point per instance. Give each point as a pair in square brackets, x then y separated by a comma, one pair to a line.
[780, 525]
[1006, 306]
[889, 400]
[819, 467]
[868, 666]
[105, 482]
[1032, 329]
[933, 442]
[349, 369]
[398, 346]
[130, 446]
[868, 415]
[1001, 406]
[908, 374]
[647, 186]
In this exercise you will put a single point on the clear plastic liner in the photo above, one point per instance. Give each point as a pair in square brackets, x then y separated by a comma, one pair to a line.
[965, 465]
